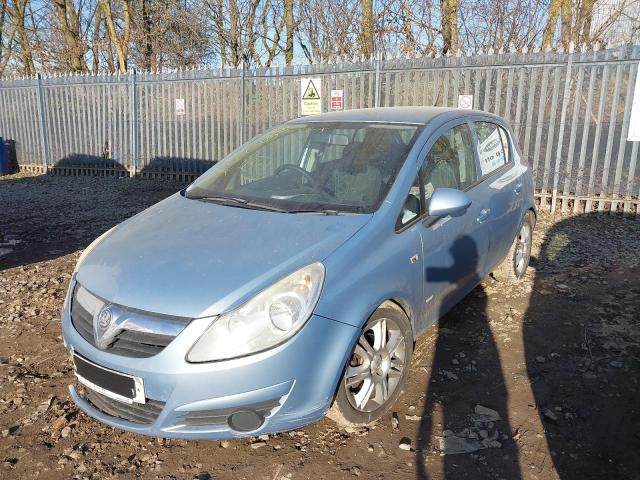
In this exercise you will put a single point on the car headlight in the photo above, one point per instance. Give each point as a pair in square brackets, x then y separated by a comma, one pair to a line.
[267, 320]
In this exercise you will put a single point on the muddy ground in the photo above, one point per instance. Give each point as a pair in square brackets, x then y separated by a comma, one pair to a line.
[538, 380]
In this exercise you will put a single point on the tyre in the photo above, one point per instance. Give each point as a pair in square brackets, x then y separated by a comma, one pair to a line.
[515, 264]
[377, 369]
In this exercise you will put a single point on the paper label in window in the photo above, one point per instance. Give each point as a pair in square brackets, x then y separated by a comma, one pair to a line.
[491, 153]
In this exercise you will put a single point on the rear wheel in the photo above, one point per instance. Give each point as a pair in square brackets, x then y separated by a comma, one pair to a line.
[515, 264]
[376, 370]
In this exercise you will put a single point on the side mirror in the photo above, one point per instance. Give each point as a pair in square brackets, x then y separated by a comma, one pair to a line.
[448, 201]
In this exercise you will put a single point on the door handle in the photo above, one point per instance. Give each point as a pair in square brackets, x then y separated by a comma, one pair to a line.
[518, 189]
[484, 214]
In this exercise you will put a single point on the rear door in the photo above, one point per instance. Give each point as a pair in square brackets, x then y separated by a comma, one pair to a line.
[501, 184]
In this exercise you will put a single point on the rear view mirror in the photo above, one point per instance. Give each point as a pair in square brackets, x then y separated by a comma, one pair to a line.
[448, 201]
[330, 139]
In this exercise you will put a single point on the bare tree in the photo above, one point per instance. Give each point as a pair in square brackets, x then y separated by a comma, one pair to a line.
[576, 19]
[7, 33]
[100, 43]
[69, 24]
[409, 46]
[327, 30]
[367, 29]
[17, 11]
[249, 29]
[586, 16]
[149, 58]
[500, 24]
[566, 22]
[167, 34]
[449, 22]
[290, 30]
[555, 6]
[119, 40]
[110, 35]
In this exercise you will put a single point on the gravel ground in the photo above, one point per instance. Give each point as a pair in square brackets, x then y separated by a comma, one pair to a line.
[537, 380]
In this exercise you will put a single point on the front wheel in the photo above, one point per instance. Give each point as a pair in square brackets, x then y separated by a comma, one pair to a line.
[515, 264]
[377, 369]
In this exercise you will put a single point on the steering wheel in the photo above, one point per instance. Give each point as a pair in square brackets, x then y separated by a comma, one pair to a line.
[312, 180]
[295, 168]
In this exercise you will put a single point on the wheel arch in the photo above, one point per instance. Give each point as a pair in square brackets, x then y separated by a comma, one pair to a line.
[401, 305]
[535, 215]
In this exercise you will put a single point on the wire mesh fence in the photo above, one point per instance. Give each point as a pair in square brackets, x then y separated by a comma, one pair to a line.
[569, 112]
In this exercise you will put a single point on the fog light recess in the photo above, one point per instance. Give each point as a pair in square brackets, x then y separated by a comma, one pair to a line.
[245, 421]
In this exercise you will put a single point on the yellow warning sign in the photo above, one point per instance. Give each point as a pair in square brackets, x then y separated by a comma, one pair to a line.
[310, 96]
[311, 92]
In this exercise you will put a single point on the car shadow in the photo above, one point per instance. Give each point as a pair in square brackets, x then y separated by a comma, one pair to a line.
[48, 216]
[465, 416]
[581, 336]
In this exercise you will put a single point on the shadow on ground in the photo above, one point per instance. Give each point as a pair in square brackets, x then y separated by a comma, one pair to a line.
[581, 337]
[468, 425]
[540, 379]
[47, 216]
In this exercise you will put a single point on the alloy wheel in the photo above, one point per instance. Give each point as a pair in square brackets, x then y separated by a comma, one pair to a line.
[376, 365]
[523, 249]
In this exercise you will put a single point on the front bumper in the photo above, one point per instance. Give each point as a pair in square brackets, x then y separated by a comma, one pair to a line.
[298, 379]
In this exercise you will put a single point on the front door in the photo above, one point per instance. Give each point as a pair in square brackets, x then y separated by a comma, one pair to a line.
[453, 248]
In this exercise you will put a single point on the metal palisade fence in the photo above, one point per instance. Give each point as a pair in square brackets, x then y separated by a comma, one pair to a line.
[569, 112]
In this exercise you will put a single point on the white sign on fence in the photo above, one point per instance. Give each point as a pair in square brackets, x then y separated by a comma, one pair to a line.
[310, 96]
[634, 120]
[337, 100]
[465, 102]
[180, 110]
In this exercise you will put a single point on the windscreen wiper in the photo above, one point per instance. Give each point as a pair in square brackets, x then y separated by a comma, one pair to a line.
[239, 202]
[320, 211]
[264, 206]
[217, 198]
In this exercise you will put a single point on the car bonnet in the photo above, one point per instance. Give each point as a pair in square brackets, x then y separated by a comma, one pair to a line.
[192, 258]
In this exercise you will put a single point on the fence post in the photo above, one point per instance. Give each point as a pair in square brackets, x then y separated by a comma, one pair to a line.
[377, 92]
[242, 101]
[568, 80]
[133, 123]
[44, 136]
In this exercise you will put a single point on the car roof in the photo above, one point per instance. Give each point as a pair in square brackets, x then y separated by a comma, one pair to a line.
[413, 115]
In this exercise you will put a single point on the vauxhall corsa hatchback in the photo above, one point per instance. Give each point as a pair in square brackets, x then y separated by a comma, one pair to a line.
[293, 277]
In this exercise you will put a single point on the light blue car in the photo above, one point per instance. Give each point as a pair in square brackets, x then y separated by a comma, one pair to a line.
[292, 278]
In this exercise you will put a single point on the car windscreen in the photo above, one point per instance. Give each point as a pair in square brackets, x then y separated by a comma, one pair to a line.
[345, 167]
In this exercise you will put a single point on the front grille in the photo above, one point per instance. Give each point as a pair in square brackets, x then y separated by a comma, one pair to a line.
[82, 320]
[221, 416]
[129, 343]
[136, 412]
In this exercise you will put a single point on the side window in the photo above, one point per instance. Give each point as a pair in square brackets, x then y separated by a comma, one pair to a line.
[450, 162]
[493, 146]
[411, 207]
